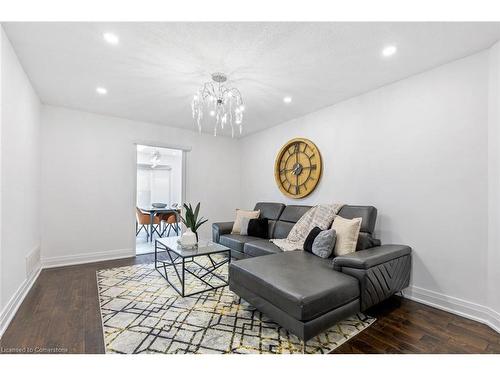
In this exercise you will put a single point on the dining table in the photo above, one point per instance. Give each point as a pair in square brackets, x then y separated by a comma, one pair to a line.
[152, 211]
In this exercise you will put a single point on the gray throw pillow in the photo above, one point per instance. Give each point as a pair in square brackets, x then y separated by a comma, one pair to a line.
[324, 243]
[244, 226]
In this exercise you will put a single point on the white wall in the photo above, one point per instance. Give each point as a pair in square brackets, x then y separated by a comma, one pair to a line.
[418, 151]
[20, 180]
[494, 181]
[88, 181]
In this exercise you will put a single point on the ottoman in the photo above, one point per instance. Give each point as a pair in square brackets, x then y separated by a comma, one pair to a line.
[298, 290]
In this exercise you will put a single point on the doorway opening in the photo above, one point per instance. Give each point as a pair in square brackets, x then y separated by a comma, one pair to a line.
[158, 195]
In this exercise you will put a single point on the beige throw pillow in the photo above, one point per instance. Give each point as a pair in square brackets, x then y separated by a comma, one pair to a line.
[241, 214]
[347, 234]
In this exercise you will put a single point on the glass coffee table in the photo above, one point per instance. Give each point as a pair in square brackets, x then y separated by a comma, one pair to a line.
[187, 261]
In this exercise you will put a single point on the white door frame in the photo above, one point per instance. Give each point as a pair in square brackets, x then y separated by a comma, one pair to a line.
[184, 157]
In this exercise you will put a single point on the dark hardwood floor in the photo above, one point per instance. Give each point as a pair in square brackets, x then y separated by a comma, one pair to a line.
[405, 326]
[61, 314]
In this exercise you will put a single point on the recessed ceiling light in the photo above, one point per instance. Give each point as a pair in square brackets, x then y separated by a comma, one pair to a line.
[389, 51]
[101, 91]
[287, 99]
[111, 38]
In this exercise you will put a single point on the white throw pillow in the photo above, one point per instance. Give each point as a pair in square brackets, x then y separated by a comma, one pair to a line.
[241, 214]
[347, 234]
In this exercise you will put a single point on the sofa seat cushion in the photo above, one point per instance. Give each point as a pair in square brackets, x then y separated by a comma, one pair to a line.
[260, 247]
[299, 283]
[236, 241]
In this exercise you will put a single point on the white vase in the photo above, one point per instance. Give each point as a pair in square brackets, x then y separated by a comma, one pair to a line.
[188, 238]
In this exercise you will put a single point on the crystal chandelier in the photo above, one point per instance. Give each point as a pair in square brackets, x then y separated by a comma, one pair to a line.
[220, 104]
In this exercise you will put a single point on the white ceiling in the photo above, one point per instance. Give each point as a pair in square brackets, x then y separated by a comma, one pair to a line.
[152, 74]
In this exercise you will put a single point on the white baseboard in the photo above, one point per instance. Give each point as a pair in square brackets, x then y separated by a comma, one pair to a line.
[454, 305]
[70, 260]
[9, 311]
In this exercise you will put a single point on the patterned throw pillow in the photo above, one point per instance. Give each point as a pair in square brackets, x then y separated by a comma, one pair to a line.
[324, 243]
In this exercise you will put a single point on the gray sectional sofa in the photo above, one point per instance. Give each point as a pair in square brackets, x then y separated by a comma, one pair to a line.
[306, 294]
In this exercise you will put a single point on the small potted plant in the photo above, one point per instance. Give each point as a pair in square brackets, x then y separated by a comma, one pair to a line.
[191, 220]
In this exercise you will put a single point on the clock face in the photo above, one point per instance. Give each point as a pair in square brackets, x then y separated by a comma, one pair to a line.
[297, 169]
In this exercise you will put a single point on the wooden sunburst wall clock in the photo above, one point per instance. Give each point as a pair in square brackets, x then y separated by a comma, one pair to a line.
[297, 168]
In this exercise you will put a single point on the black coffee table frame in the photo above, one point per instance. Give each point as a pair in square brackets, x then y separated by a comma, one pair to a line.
[176, 258]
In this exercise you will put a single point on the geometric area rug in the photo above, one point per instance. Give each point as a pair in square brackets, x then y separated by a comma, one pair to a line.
[142, 313]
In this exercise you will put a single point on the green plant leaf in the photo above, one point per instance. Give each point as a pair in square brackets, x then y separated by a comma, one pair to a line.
[196, 211]
[190, 219]
[191, 215]
[200, 223]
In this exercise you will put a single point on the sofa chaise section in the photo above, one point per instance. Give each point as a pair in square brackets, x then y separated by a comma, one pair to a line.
[306, 294]
[298, 290]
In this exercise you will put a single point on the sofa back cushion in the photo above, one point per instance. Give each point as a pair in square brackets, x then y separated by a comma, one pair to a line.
[293, 213]
[368, 214]
[282, 219]
[290, 215]
[366, 241]
[270, 211]
[282, 228]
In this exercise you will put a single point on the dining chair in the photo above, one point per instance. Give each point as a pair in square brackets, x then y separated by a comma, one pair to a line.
[170, 221]
[143, 221]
